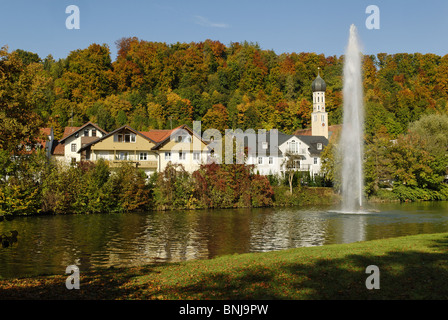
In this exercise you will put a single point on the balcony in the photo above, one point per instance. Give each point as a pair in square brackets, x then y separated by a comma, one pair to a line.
[139, 164]
[295, 151]
[303, 167]
[300, 167]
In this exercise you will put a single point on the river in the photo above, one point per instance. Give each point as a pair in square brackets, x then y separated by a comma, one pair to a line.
[48, 244]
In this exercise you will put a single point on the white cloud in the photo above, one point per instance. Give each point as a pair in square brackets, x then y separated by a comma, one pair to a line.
[207, 23]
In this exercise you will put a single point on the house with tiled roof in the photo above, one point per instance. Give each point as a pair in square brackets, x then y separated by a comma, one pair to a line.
[150, 151]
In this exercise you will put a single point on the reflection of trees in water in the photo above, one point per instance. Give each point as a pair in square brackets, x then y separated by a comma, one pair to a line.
[286, 230]
[186, 235]
[9, 238]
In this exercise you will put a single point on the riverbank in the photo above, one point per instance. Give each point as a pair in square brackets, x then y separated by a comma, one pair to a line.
[412, 267]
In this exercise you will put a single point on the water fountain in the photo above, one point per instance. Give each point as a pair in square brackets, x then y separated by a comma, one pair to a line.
[351, 141]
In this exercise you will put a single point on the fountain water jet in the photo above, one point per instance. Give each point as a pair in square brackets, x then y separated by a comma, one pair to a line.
[351, 141]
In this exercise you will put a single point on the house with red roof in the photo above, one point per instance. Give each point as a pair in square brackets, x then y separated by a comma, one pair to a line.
[150, 150]
[68, 147]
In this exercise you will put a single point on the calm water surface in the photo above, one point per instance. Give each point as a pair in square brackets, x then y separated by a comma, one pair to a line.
[48, 244]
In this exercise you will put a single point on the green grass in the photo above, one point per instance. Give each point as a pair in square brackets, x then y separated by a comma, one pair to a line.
[413, 267]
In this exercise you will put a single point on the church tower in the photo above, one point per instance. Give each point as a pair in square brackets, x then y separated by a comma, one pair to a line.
[319, 118]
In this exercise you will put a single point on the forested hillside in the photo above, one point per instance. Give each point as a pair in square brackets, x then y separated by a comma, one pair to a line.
[240, 85]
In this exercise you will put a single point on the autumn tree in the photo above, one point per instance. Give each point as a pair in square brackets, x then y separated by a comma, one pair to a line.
[20, 93]
[216, 118]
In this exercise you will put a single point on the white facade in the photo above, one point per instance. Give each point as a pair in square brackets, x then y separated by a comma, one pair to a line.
[183, 148]
[191, 161]
[296, 146]
[73, 142]
[266, 164]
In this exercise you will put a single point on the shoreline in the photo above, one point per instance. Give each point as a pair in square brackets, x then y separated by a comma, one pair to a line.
[297, 200]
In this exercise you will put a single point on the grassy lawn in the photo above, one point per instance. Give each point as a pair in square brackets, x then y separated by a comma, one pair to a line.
[414, 267]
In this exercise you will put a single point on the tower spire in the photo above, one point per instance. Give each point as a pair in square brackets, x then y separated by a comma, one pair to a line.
[319, 118]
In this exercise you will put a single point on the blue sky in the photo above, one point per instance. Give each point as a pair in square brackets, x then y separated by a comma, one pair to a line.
[283, 26]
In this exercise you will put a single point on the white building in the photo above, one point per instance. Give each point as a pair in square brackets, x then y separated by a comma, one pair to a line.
[270, 154]
[269, 160]
[73, 139]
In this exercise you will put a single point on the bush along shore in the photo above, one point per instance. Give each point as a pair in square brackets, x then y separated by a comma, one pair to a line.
[412, 267]
[34, 185]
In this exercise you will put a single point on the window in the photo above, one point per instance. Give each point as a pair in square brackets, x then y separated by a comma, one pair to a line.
[271, 160]
[123, 156]
[315, 160]
[319, 146]
[73, 147]
[167, 155]
[293, 147]
[86, 133]
[127, 137]
[260, 160]
[323, 117]
[143, 156]
[182, 155]
[315, 118]
[93, 132]
[196, 156]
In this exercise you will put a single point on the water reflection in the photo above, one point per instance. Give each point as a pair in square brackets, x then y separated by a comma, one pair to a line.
[48, 244]
[287, 229]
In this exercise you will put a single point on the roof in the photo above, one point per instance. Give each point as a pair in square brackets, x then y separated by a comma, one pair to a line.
[304, 132]
[313, 141]
[112, 133]
[58, 150]
[318, 84]
[164, 138]
[157, 135]
[69, 131]
[332, 130]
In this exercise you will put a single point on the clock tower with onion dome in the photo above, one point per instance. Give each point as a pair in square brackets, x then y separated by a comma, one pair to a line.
[319, 118]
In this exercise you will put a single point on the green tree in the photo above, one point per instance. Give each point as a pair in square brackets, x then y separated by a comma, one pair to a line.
[19, 92]
[291, 164]
[432, 132]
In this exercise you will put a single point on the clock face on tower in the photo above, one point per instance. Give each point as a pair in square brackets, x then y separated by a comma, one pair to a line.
[323, 124]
